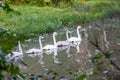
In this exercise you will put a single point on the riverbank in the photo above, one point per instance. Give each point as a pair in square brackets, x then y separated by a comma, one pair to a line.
[33, 20]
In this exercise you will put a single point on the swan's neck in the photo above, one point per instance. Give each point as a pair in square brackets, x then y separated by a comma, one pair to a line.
[79, 36]
[54, 40]
[20, 47]
[40, 43]
[67, 35]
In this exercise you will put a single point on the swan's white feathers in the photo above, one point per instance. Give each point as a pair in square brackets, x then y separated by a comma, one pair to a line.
[33, 50]
[62, 43]
[49, 47]
[74, 39]
[15, 54]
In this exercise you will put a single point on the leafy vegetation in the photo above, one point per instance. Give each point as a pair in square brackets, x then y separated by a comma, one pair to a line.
[39, 2]
[7, 68]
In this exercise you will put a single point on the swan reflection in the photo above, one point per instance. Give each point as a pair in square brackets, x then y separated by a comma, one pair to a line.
[55, 56]
[40, 54]
[41, 59]
[67, 48]
[78, 48]
[105, 40]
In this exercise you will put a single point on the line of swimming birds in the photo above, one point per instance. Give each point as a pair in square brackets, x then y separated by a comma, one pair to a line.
[49, 48]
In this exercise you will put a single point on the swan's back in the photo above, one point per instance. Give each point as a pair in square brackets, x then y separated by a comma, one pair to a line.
[15, 54]
[33, 50]
[62, 43]
[74, 39]
[49, 47]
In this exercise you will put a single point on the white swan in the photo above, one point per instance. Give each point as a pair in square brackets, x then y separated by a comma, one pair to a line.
[35, 50]
[51, 47]
[76, 39]
[63, 43]
[18, 54]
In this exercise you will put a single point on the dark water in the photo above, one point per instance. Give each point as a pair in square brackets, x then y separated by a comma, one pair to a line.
[73, 62]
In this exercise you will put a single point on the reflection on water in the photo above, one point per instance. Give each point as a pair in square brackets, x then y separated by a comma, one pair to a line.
[106, 41]
[62, 60]
[69, 60]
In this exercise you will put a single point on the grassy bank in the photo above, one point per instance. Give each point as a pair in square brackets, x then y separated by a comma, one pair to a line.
[36, 20]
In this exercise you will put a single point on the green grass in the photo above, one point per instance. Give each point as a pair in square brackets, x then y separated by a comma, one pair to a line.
[37, 20]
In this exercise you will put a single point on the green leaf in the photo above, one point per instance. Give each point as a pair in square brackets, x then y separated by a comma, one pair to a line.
[95, 73]
[47, 0]
[100, 63]
[108, 63]
[20, 76]
[82, 77]
[54, 72]
[108, 54]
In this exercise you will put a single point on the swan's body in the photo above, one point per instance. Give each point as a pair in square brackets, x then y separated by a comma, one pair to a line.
[51, 47]
[76, 39]
[20, 53]
[9, 57]
[35, 50]
[17, 54]
[63, 43]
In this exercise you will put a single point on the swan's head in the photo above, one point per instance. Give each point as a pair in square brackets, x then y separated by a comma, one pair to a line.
[18, 42]
[55, 33]
[41, 37]
[79, 27]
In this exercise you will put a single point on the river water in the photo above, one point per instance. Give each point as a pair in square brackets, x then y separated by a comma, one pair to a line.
[72, 60]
